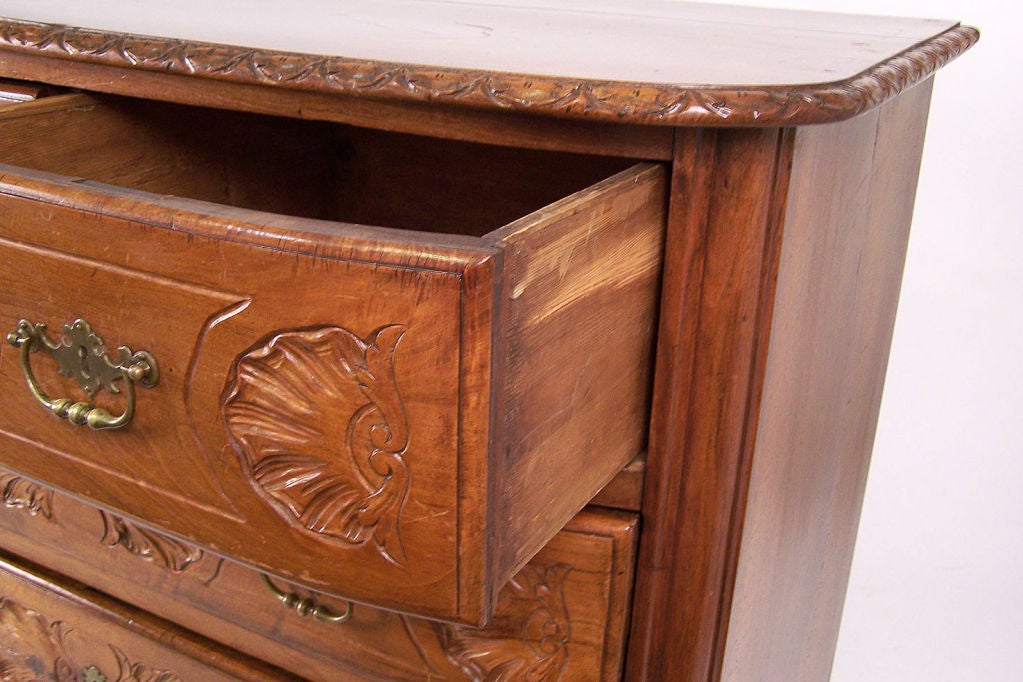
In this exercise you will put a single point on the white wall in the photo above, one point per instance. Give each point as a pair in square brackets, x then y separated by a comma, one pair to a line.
[936, 592]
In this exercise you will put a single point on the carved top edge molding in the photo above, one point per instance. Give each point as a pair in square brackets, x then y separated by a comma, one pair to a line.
[643, 103]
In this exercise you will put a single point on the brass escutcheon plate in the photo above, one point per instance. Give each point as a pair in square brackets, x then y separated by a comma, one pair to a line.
[81, 355]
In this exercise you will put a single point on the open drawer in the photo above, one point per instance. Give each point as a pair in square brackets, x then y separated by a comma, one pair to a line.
[399, 415]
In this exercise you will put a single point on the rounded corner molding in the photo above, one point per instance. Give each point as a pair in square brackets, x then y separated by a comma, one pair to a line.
[641, 103]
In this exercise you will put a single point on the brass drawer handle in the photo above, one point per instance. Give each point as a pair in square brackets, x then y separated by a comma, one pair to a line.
[81, 355]
[307, 606]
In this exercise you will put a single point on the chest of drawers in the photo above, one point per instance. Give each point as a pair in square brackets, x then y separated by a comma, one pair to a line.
[318, 353]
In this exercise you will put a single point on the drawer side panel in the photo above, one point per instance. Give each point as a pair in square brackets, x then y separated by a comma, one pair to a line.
[581, 285]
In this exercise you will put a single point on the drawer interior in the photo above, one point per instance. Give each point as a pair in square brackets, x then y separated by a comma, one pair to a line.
[525, 315]
[309, 169]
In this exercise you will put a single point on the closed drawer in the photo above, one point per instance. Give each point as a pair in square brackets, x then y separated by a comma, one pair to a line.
[398, 415]
[53, 629]
[563, 617]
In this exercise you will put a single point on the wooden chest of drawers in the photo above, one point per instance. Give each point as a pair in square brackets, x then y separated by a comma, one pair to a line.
[319, 358]
[458, 340]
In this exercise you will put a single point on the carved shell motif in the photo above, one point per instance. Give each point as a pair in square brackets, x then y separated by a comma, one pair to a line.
[526, 641]
[321, 432]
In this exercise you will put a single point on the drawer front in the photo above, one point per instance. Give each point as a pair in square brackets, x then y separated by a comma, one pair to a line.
[561, 618]
[314, 401]
[56, 630]
[373, 413]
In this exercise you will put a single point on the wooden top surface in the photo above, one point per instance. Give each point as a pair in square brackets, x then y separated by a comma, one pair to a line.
[650, 61]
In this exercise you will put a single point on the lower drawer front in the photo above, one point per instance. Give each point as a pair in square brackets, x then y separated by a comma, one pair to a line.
[57, 630]
[562, 617]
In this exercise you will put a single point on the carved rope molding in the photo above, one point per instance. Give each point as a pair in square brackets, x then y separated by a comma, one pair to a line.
[667, 104]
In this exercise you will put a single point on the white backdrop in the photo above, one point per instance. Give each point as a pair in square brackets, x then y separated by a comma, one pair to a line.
[936, 592]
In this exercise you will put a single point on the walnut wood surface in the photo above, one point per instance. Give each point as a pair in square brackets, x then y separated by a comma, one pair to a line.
[581, 286]
[763, 405]
[16, 91]
[562, 618]
[682, 64]
[356, 393]
[643, 41]
[625, 491]
[825, 212]
[296, 168]
[55, 629]
[505, 128]
[825, 368]
[728, 189]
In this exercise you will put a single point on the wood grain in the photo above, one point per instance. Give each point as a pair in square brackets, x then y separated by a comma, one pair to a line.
[191, 319]
[504, 128]
[777, 561]
[305, 169]
[404, 197]
[581, 285]
[563, 618]
[851, 69]
[643, 41]
[727, 188]
[58, 625]
[16, 91]
[838, 282]
[625, 491]
[343, 386]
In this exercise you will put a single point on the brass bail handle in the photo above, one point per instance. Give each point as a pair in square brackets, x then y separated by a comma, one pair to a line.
[81, 355]
[307, 606]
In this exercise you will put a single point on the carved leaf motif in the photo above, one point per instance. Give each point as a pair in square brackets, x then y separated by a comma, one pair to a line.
[170, 553]
[138, 672]
[321, 431]
[31, 648]
[19, 493]
[526, 641]
[34, 650]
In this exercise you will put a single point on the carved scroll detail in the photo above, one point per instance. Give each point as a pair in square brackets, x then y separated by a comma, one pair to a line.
[174, 555]
[32, 649]
[139, 672]
[20, 493]
[667, 104]
[321, 432]
[528, 637]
